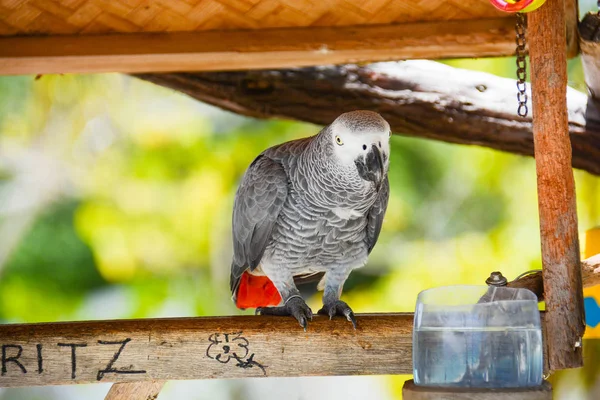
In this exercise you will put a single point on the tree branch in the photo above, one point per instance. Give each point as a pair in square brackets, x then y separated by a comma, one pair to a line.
[418, 98]
[590, 272]
[589, 31]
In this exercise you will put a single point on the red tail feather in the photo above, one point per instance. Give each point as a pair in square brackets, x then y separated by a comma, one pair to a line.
[256, 291]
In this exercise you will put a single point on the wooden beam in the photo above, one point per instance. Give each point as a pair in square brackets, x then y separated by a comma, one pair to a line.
[253, 49]
[142, 390]
[418, 98]
[410, 391]
[556, 187]
[590, 272]
[202, 348]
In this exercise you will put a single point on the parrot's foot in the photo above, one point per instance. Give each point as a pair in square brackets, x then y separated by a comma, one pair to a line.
[295, 306]
[338, 307]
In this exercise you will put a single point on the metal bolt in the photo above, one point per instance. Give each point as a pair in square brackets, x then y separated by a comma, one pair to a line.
[546, 376]
[496, 279]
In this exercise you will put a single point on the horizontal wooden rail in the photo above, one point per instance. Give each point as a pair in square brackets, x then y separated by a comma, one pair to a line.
[202, 348]
[253, 49]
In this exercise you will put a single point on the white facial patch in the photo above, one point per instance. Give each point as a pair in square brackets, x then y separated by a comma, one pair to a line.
[355, 144]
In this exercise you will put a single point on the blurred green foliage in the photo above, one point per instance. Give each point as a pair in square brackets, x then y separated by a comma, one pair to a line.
[51, 262]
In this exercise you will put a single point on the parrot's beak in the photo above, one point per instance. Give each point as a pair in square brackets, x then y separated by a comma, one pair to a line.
[370, 168]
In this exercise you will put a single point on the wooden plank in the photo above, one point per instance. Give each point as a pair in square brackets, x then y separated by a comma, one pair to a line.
[268, 48]
[142, 390]
[556, 187]
[202, 348]
[410, 391]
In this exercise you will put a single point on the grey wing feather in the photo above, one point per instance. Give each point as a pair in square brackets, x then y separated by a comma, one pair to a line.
[376, 214]
[258, 201]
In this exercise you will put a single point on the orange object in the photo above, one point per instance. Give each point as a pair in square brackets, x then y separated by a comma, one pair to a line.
[256, 291]
[592, 242]
[592, 294]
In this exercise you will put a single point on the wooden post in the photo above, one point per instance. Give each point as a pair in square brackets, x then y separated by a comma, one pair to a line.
[556, 187]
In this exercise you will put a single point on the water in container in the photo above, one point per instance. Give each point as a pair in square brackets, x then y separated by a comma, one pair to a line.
[477, 336]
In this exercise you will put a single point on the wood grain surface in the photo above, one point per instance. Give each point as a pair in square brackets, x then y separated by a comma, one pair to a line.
[202, 348]
[563, 290]
[410, 391]
[254, 49]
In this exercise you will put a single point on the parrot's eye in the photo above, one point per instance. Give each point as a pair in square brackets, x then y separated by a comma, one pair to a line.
[338, 140]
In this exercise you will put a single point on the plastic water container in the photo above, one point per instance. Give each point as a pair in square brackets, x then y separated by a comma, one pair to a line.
[477, 336]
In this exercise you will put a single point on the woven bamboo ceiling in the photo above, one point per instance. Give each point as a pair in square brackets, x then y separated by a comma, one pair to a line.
[59, 17]
[44, 36]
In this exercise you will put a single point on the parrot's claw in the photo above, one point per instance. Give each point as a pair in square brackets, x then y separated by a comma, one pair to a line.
[295, 306]
[339, 308]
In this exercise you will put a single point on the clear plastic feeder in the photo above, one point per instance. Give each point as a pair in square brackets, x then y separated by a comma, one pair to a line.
[477, 336]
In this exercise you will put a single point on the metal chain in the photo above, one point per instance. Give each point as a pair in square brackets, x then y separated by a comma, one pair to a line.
[521, 53]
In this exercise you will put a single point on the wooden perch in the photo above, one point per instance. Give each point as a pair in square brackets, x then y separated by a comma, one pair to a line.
[202, 348]
[590, 272]
[419, 98]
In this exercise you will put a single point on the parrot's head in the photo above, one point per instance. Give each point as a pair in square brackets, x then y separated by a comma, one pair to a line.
[361, 139]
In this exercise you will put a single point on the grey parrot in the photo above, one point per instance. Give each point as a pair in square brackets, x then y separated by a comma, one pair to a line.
[311, 207]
